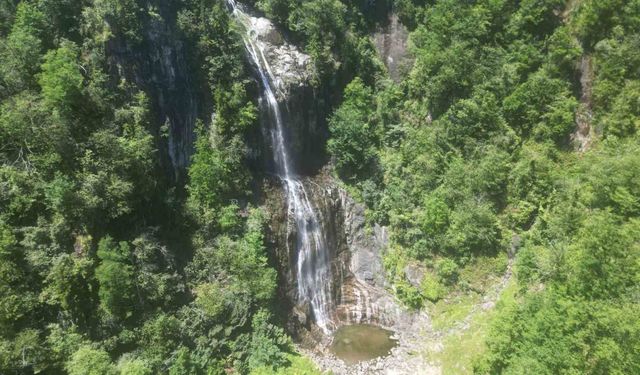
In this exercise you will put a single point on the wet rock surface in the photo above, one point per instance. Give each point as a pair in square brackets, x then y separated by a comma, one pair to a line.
[362, 296]
[290, 67]
[303, 106]
[359, 292]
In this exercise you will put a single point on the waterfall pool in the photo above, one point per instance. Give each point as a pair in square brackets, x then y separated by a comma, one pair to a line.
[361, 342]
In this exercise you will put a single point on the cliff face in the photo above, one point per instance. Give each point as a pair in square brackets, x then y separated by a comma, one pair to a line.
[303, 106]
[360, 292]
[358, 283]
[158, 65]
[325, 198]
[391, 42]
[365, 297]
[306, 111]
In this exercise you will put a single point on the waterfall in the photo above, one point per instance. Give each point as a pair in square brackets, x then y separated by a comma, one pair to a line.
[313, 263]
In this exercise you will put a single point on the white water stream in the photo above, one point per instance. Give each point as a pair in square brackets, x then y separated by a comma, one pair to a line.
[313, 264]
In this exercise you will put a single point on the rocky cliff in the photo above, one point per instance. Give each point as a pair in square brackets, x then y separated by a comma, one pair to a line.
[359, 292]
[157, 63]
[391, 41]
[303, 106]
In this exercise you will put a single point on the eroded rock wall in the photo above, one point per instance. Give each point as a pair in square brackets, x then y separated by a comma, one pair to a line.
[360, 290]
[391, 42]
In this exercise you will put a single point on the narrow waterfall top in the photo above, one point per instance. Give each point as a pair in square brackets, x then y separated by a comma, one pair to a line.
[288, 66]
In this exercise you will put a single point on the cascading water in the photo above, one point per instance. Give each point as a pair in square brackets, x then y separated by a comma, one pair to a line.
[313, 264]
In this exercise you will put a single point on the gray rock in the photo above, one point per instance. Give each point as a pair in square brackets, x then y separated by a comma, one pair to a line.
[415, 274]
[391, 43]
[304, 108]
[289, 67]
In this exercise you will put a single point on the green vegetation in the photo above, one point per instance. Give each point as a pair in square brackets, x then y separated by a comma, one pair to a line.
[334, 33]
[466, 329]
[470, 158]
[351, 139]
[107, 265]
[110, 265]
[297, 366]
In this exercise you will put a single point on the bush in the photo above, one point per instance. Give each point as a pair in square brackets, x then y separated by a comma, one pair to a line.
[409, 294]
[431, 287]
[447, 270]
[269, 343]
[90, 361]
[474, 229]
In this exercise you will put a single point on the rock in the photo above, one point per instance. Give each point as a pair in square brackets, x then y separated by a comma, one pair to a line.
[288, 66]
[82, 245]
[304, 108]
[391, 43]
[159, 67]
[360, 292]
[365, 249]
[415, 274]
[301, 314]
[488, 305]
[358, 284]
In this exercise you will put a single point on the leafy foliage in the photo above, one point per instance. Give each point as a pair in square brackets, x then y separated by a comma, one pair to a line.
[352, 136]
[475, 153]
[61, 80]
[115, 278]
[108, 264]
[90, 361]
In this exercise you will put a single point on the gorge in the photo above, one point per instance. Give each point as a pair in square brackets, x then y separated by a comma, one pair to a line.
[324, 280]
[306, 187]
[338, 274]
[313, 268]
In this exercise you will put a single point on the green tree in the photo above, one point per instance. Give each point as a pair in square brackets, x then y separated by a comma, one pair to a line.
[134, 366]
[474, 229]
[61, 80]
[184, 364]
[624, 118]
[16, 300]
[213, 176]
[157, 279]
[116, 278]
[605, 258]
[25, 352]
[536, 18]
[269, 343]
[323, 24]
[20, 52]
[90, 361]
[542, 107]
[352, 133]
[70, 285]
[595, 18]
[159, 337]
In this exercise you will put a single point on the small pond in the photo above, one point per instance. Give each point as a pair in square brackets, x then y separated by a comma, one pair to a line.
[361, 342]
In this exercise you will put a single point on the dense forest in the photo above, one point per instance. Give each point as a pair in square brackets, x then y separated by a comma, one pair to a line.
[512, 138]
